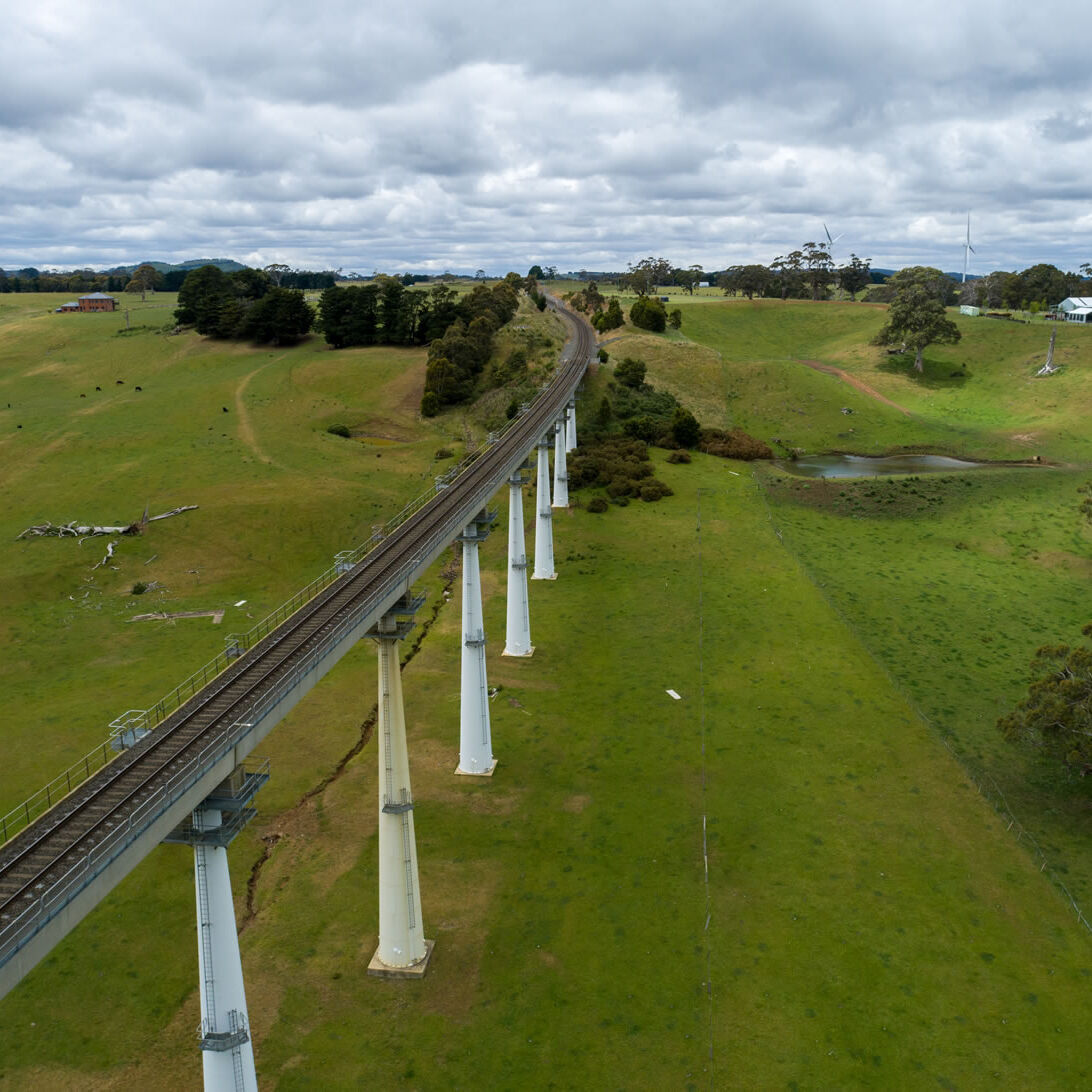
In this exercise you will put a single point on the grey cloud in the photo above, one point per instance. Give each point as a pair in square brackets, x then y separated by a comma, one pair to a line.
[433, 136]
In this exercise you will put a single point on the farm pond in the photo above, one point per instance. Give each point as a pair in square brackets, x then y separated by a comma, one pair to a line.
[872, 466]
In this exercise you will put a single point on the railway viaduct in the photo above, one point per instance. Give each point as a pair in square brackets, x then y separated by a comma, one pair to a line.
[180, 771]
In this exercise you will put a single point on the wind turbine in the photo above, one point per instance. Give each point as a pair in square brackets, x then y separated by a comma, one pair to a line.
[830, 250]
[968, 250]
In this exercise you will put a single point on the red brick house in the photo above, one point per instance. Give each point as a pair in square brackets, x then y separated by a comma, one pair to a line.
[98, 301]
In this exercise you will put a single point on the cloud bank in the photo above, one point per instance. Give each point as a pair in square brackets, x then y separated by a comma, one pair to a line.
[474, 136]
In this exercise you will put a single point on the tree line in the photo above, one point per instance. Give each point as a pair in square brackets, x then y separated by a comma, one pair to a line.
[811, 273]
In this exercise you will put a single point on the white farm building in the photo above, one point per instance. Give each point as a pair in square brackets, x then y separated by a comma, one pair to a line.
[1076, 308]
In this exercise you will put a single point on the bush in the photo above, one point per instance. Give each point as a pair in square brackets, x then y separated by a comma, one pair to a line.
[654, 489]
[685, 428]
[649, 314]
[675, 319]
[734, 444]
[603, 356]
[631, 373]
[443, 453]
[139, 588]
[430, 404]
[679, 457]
[598, 504]
[339, 430]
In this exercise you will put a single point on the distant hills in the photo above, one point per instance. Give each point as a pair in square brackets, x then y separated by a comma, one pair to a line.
[228, 265]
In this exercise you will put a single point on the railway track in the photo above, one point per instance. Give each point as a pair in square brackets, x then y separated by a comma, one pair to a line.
[56, 855]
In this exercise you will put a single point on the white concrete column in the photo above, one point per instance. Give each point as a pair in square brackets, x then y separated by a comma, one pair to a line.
[561, 478]
[518, 632]
[475, 741]
[570, 438]
[227, 1053]
[544, 531]
[403, 950]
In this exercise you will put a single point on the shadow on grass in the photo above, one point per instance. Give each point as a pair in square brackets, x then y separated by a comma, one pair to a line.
[938, 374]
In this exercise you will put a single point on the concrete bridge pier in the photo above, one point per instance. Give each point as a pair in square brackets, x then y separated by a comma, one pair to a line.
[403, 951]
[475, 741]
[561, 477]
[570, 436]
[227, 1052]
[544, 532]
[518, 631]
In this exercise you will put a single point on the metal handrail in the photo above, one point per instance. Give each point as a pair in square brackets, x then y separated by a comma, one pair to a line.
[24, 813]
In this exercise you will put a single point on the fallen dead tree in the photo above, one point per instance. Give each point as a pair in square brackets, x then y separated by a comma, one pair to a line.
[90, 530]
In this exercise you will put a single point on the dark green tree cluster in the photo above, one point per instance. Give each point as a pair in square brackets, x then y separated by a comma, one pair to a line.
[654, 416]
[1056, 715]
[609, 319]
[807, 273]
[242, 304]
[385, 312]
[1037, 288]
[459, 356]
[619, 465]
[78, 282]
[649, 314]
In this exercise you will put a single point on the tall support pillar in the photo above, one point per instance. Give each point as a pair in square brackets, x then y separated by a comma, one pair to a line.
[475, 741]
[226, 1049]
[544, 532]
[570, 435]
[561, 475]
[518, 632]
[403, 951]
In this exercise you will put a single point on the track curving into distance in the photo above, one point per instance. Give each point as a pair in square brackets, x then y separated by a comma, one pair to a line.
[53, 846]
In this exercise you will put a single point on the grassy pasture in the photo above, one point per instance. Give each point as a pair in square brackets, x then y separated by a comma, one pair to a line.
[979, 397]
[867, 920]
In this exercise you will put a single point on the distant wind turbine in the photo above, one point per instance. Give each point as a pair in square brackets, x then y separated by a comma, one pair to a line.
[968, 250]
[830, 250]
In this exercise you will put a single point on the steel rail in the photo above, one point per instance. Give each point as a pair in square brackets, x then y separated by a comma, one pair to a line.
[55, 851]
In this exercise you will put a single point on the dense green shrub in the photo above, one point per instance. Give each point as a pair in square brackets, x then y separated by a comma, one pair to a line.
[679, 457]
[654, 490]
[339, 430]
[685, 428]
[649, 314]
[597, 504]
[631, 373]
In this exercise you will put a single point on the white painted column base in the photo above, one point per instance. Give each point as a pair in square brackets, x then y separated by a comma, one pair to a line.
[403, 951]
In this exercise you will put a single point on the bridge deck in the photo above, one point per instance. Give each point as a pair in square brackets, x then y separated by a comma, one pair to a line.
[63, 863]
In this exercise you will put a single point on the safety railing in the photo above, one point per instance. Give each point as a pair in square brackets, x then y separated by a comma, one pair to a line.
[139, 722]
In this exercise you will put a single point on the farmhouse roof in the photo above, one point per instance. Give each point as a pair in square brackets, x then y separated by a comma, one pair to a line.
[96, 296]
[1074, 302]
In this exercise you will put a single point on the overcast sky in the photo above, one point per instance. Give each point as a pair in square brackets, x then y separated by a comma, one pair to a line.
[430, 136]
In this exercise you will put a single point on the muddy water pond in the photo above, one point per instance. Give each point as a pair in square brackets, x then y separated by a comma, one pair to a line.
[869, 466]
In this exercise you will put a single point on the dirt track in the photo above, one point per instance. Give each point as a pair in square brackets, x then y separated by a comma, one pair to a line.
[853, 381]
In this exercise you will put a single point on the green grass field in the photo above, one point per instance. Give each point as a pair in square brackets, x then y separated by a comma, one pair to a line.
[866, 920]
